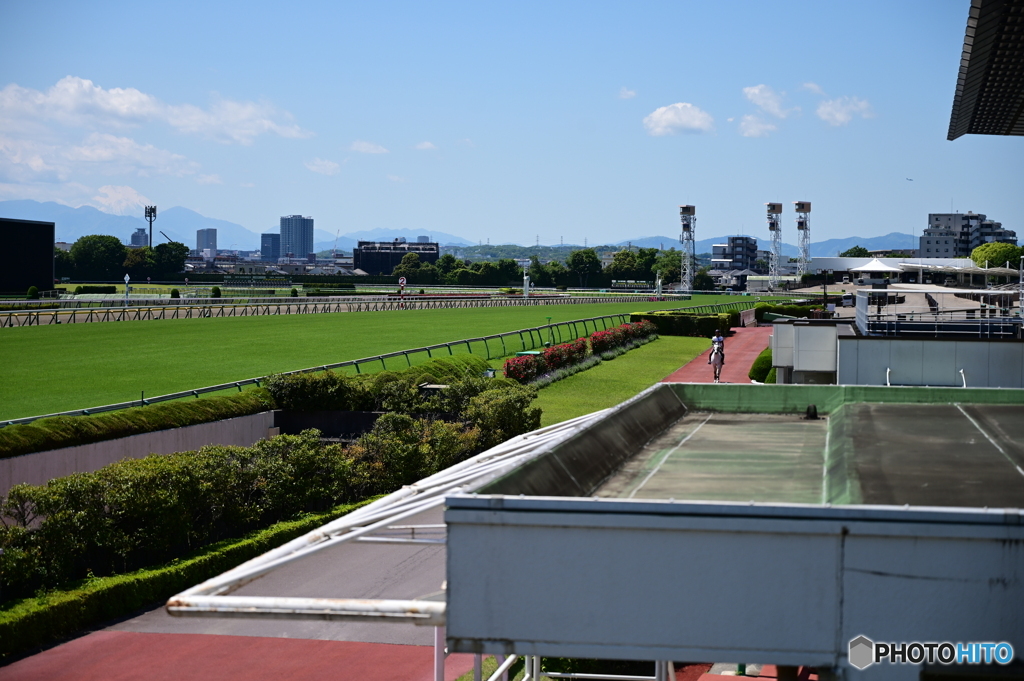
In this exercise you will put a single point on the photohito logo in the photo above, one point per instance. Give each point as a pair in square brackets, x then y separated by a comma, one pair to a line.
[863, 652]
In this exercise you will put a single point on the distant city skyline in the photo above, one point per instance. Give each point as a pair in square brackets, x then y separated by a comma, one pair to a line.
[502, 122]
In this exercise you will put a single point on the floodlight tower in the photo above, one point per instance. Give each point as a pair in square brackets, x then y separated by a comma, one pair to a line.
[803, 227]
[151, 215]
[775, 231]
[688, 218]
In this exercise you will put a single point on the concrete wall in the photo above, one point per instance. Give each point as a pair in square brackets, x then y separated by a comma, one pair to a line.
[40, 467]
[986, 364]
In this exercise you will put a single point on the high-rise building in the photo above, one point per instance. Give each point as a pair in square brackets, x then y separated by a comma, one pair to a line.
[206, 239]
[296, 235]
[140, 238]
[270, 247]
[955, 235]
[740, 253]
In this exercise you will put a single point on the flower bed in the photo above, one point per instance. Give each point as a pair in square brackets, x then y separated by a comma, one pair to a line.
[528, 368]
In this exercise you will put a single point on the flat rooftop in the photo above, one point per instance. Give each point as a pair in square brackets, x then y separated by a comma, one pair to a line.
[878, 454]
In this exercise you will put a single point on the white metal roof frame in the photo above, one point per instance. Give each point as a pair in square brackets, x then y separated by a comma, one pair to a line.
[212, 598]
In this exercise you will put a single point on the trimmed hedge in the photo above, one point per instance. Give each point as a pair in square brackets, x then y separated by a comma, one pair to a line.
[69, 431]
[31, 622]
[681, 323]
[526, 368]
[802, 311]
[761, 366]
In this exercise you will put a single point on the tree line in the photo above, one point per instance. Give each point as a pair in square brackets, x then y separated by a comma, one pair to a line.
[582, 267]
[99, 257]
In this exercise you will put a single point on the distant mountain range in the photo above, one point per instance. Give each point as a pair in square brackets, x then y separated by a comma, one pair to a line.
[180, 224]
[827, 248]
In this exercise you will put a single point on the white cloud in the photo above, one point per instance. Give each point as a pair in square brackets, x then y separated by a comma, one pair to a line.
[755, 126]
[681, 116]
[425, 146]
[209, 179]
[120, 200]
[841, 110]
[396, 178]
[110, 154]
[768, 100]
[367, 147]
[813, 87]
[626, 93]
[78, 102]
[323, 166]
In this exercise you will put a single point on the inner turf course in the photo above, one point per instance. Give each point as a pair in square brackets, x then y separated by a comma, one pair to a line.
[46, 369]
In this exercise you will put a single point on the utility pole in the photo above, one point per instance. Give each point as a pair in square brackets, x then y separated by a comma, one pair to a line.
[151, 215]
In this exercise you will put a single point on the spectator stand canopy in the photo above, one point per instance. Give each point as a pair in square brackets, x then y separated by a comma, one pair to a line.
[989, 97]
[876, 265]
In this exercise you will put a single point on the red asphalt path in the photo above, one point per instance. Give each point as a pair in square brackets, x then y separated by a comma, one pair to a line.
[125, 655]
[741, 349]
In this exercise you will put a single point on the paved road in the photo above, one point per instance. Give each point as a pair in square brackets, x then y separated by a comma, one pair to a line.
[741, 349]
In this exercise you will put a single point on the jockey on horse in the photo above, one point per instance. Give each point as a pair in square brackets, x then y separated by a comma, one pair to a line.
[717, 356]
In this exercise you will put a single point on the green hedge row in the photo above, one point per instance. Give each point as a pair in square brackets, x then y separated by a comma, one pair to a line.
[802, 311]
[680, 323]
[761, 366]
[31, 622]
[69, 431]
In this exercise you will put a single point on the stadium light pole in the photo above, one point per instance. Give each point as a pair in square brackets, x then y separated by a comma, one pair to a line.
[151, 215]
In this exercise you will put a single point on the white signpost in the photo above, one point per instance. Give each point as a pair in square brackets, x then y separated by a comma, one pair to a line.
[126, 279]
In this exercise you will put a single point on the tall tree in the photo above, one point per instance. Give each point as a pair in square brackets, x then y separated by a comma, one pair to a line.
[583, 263]
[996, 255]
[645, 259]
[509, 271]
[140, 263]
[622, 266]
[539, 274]
[63, 263]
[669, 263]
[169, 258]
[855, 252]
[702, 281]
[446, 263]
[98, 258]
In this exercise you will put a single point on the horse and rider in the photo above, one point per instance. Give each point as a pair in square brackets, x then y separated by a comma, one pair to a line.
[717, 357]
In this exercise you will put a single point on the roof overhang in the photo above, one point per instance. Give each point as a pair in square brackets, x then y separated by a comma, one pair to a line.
[989, 97]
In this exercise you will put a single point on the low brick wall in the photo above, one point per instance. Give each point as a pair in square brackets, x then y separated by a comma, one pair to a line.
[40, 467]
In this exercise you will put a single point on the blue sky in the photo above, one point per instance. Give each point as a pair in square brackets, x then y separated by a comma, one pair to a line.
[500, 121]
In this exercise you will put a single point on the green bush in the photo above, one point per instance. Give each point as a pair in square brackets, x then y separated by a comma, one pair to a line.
[761, 366]
[294, 293]
[789, 310]
[681, 323]
[503, 414]
[175, 293]
[68, 431]
[33, 293]
[215, 292]
[31, 622]
[770, 378]
[78, 289]
[140, 512]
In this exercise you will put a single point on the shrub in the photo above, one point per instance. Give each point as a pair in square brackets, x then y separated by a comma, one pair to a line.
[522, 369]
[31, 622]
[327, 390]
[78, 289]
[140, 512]
[215, 292]
[603, 341]
[771, 377]
[681, 323]
[503, 414]
[294, 293]
[761, 366]
[565, 354]
[175, 293]
[33, 293]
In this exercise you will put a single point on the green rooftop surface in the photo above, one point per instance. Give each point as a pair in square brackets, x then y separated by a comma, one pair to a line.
[917, 446]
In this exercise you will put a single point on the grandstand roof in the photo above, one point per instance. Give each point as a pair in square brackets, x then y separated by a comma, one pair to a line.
[989, 97]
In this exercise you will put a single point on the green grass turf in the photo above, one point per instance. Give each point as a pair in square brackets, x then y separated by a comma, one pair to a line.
[45, 369]
[610, 383]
